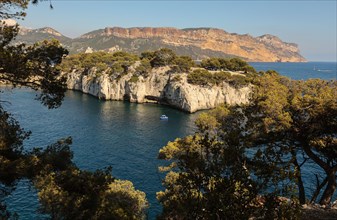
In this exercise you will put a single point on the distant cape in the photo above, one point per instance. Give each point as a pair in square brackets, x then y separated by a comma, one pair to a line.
[199, 43]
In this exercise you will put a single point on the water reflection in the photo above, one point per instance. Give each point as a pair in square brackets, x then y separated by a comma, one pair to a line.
[126, 136]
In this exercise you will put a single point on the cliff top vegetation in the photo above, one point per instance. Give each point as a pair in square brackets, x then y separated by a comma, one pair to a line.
[211, 71]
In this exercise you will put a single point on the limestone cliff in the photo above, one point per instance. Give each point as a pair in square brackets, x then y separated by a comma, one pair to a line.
[158, 87]
[265, 48]
[199, 43]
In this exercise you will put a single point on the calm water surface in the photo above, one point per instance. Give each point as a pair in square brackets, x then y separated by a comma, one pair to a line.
[299, 71]
[123, 135]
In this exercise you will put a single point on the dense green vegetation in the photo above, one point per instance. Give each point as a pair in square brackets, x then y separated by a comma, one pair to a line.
[249, 157]
[65, 191]
[242, 162]
[203, 77]
[233, 64]
[143, 68]
[166, 57]
[117, 63]
[182, 64]
[77, 194]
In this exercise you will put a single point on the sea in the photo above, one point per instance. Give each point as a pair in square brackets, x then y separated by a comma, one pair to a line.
[126, 136]
[301, 71]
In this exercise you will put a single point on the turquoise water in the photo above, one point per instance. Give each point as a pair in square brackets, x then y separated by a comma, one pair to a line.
[123, 135]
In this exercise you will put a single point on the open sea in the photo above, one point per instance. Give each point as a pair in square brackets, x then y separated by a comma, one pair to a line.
[301, 71]
[123, 135]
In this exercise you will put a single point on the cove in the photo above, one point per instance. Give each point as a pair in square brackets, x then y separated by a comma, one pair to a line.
[126, 136]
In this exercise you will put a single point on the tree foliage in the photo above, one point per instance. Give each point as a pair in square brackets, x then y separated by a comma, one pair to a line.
[76, 194]
[117, 63]
[256, 149]
[233, 64]
[13, 8]
[261, 146]
[30, 66]
[299, 117]
[167, 57]
[204, 77]
[65, 191]
[144, 68]
[182, 64]
[163, 57]
[212, 176]
[33, 66]
[16, 164]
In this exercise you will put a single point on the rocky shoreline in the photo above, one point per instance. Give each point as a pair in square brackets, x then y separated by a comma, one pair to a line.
[158, 87]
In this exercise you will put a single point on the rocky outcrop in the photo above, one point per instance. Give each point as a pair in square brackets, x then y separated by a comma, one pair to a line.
[199, 43]
[159, 87]
[192, 98]
[265, 48]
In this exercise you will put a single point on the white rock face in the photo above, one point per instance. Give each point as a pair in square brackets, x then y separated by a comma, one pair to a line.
[157, 87]
[192, 98]
[8, 22]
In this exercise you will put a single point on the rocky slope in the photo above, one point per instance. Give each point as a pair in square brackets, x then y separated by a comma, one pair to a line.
[30, 36]
[158, 87]
[199, 43]
[263, 48]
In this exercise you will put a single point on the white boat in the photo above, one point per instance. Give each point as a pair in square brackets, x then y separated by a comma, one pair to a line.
[163, 117]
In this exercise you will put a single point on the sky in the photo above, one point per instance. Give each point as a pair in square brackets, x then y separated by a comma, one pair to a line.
[309, 23]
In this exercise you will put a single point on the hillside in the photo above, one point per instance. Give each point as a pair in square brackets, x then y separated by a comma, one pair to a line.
[31, 36]
[199, 43]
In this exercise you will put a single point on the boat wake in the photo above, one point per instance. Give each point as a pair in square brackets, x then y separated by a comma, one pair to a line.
[324, 70]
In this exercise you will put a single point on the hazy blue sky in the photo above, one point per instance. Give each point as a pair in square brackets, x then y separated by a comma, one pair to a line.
[310, 24]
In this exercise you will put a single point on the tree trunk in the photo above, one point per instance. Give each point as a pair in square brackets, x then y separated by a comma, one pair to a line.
[318, 188]
[301, 191]
[330, 188]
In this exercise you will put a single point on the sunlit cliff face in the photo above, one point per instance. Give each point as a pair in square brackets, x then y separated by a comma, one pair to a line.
[263, 48]
[199, 43]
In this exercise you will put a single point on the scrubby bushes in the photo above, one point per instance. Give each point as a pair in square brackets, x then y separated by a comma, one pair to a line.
[182, 64]
[176, 78]
[200, 77]
[166, 57]
[143, 68]
[234, 64]
[203, 77]
[134, 79]
[118, 62]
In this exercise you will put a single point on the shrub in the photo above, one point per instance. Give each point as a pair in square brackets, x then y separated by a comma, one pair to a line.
[119, 61]
[134, 79]
[234, 64]
[176, 78]
[144, 68]
[238, 81]
[183, 64]
[211, 64]
[203, 77]
[200, 77]
[220, 77]
[101, 67]
[163, 57]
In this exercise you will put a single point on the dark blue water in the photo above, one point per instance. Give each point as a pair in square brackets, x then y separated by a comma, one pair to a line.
[123, 135]
[299, 71]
